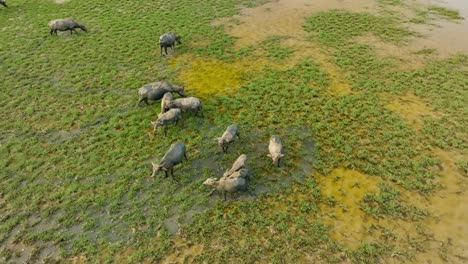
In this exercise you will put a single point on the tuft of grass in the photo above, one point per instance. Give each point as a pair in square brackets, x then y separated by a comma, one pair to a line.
[272, 46]
[444, 12]
[462, 166]
[336, 27]
[387, 202]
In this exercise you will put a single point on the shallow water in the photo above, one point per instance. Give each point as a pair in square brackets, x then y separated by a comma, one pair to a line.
[448, 37]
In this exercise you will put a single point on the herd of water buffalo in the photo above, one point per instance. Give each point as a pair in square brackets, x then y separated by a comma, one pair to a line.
[233, 180]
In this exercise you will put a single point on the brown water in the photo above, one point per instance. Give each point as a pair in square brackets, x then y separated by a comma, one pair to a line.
[286, 18]
[281, 18]
[448, 37]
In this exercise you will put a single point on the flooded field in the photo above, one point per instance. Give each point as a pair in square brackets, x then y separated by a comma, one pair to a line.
[369, 98]
[345, 189]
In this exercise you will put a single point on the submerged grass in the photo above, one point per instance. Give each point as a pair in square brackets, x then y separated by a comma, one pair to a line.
[76, 154]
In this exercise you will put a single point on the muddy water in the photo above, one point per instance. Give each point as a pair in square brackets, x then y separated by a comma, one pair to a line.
[448, 37]
[281, 18]
[286, 18]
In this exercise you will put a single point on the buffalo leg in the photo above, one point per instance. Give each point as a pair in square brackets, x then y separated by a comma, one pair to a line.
[139, 102]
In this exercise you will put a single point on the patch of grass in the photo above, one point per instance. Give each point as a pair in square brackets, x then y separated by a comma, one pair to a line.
[388, 203]
[462, 165]
[273, 48]
[425, 51]
[336, 27]
[424, 15]
[444, 12]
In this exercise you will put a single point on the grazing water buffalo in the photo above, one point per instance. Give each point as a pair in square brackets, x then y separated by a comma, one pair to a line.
[173, 156]
[156, 90]
[173, 115]
[64, 24]
[275, 147]
[228, 137]
[189, 104]
[169, 40]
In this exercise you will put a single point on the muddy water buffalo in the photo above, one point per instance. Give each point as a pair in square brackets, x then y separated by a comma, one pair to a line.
[156, 90]
[173, 156]
[275, 147]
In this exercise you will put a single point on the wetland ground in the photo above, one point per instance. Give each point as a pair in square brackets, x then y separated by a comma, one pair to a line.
[369, 98]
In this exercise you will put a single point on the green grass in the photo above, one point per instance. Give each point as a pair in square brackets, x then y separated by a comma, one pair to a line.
[444, 12]
[334, 27]
[387, 202]
[75, 154]
[432, 12]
